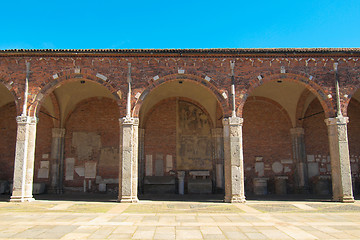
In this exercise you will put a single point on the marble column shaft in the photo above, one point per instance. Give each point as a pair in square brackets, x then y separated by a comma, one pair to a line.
[234, 161]
[299, 155]
[128, 172]
[340, 160]
[218, 141]
[57, 157]
[141, 171]
[24, 159]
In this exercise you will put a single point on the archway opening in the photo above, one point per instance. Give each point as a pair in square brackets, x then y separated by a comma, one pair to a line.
[8, 113]
[179, 121]
[77, 148]
[280, 134]
[353, 112]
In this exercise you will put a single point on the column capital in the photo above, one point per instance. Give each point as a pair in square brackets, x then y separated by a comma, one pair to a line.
[129, 121]
[58, 132]
[26, 120]
[236, 121]
[297, 131]
[337, 121]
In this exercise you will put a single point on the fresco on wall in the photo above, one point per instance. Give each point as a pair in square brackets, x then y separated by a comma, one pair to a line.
[194, 138]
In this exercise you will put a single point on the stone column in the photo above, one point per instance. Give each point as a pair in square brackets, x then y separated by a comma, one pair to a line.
[234, 162]
[141, 160]
[128, 172]
[340, 160]
[299, 155]
[57, 157]
[24, 159]
[218, 140]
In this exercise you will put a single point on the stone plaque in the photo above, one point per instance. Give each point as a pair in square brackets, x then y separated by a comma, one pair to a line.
[44, 164]
[169, 163]
[43, 173]
[69, 173]
[159, 165]
[90, 169]
[259, 169]
[148, 165]
[80, 171]
[310, 158]
[313, 169]
[277, 167]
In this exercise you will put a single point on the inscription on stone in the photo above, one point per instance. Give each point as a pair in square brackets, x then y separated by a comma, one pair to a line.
[69, 171]
[159, 165]
[90, 169]
[194, 136]
[148, 165]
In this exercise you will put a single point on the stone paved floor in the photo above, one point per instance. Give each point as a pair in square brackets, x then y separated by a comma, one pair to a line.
[179, 220]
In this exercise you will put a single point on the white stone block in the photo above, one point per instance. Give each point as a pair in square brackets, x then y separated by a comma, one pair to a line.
[310, 158]
[90, 169]
[80, 171]
[259, 169]
[277, 167]
[69, 171]
[102, 77]
[102, 187]
[148, 165]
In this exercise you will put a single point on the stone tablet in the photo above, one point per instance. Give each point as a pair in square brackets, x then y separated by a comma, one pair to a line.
[310, 158]
[69, 173]
[80, 171]
[259, 169]
[313, 169]
[169, 163]
[44, 164]
[90, 169]
[43, 173]
[159, 165]
[148, 166]
[277, 167]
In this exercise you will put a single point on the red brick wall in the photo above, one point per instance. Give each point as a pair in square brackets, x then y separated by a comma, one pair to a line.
[160, 130]
[316, 137]
[266, 133]
[8, 128]
[43, 144]
[100, 116]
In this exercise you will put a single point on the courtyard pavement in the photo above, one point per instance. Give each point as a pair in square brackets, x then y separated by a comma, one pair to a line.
[69, 219]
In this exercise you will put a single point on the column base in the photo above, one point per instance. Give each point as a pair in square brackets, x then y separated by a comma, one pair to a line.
[21, 199]
[128, 199]
[344, 199]
[235, 199]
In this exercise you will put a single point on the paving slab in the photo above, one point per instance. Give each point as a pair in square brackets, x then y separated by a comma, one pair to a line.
[167, 220]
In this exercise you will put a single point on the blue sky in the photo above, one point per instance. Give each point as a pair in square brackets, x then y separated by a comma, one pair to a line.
[179, 24]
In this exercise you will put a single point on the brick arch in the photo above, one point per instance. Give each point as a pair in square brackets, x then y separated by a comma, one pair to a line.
[153, 84]
[345, 102]
[70, 76]
[307, 81]
[6, 84]
[300, 107]
[268, 100]
[197, 104]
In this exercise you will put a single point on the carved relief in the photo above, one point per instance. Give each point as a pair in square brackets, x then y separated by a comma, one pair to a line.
[194, 136]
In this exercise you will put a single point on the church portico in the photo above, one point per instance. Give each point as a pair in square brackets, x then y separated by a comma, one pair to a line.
[231, 122]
